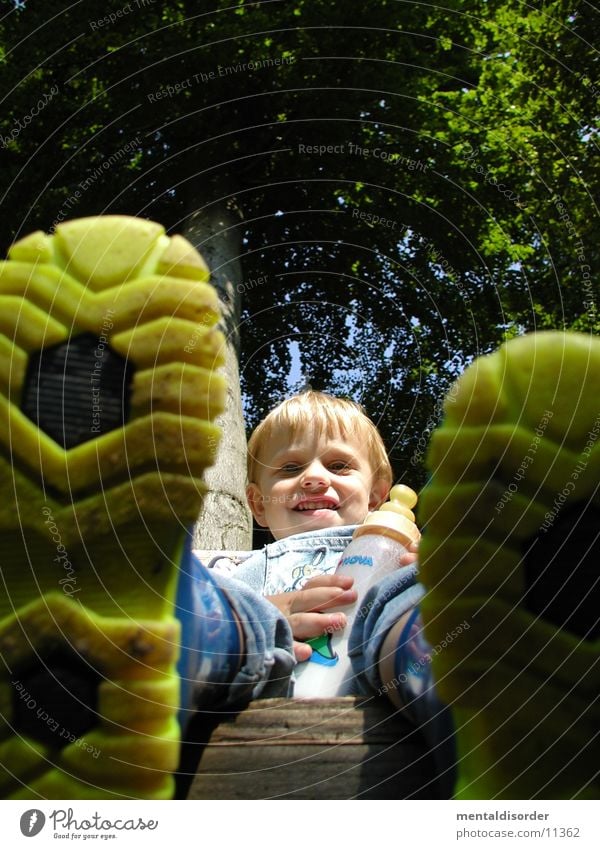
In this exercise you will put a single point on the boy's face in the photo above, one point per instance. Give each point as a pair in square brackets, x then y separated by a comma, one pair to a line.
[312, 482]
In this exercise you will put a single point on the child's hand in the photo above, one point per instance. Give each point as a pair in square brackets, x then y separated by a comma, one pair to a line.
[411, 555]
[301, 609]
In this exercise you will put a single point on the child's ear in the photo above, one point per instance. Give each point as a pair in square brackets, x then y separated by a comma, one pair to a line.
[256, 502]
[379, 493]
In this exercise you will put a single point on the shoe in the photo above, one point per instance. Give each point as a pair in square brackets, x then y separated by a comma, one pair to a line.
[510, 559]
[108, 351]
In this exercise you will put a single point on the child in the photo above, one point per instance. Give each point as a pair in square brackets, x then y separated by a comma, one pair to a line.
[316, 467]
[315, 463]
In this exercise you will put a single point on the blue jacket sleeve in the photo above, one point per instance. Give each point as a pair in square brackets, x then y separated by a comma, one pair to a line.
[383, 604]
[268, 659]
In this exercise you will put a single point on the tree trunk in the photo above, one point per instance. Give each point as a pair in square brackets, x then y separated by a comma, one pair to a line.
[225, 523]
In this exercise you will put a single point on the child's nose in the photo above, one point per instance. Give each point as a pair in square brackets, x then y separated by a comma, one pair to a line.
[315, 475]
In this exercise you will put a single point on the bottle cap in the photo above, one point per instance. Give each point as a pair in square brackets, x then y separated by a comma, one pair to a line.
[394, 518]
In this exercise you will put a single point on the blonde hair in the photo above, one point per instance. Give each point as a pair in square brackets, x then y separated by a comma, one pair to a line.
[330, 415]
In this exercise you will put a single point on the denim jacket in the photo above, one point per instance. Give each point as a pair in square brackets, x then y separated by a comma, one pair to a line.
[287, 564]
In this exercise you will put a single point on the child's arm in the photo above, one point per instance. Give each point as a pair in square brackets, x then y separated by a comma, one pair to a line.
[301, 608]
[386, 662]
[383, 609]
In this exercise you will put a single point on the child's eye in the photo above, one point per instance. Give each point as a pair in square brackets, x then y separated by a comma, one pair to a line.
[339, 466]
[289, 468]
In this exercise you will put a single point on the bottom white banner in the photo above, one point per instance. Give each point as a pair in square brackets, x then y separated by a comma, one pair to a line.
[289, 824]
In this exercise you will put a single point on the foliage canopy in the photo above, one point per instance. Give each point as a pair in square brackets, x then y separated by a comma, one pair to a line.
[412, 182]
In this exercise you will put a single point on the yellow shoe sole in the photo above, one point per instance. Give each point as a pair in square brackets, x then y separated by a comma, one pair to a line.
[108, 352]
[511, 552]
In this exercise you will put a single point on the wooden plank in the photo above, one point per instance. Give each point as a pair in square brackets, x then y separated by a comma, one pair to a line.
[342, 748]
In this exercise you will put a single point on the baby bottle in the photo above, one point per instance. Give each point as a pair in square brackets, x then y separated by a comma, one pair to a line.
[374, 552]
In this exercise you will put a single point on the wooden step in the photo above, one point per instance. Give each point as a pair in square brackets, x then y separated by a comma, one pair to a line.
[340, 748]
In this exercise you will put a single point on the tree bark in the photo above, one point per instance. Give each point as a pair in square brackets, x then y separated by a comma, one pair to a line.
[225, 523]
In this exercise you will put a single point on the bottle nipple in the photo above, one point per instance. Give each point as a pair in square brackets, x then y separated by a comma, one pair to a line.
[402, 498]
[395, 518]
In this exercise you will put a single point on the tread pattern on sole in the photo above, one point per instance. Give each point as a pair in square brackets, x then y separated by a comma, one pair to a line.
[91, 536]
[520, 443]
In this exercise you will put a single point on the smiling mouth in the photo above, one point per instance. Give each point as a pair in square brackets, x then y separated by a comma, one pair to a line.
[315, 505]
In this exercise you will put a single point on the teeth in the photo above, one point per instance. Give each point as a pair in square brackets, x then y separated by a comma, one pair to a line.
[315, 505]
